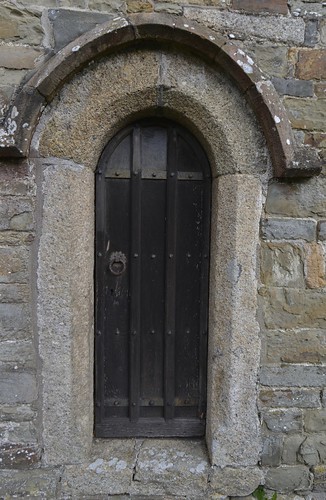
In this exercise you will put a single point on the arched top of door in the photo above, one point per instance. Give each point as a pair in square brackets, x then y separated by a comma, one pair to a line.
[158, 143]
[120, 33]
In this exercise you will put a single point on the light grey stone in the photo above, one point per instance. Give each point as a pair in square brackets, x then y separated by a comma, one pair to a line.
[289, 229]
[293, 87]
[14, 321]
[296, 376]
[65, 277]
[272, 450]
[273, 28]
[167, 7]
[17, 413]
[17, 387]
[313, 449]
[70, 24]
[306, 199]
[282, 264]
[287, 479]
[108, 471]
[17, 354]
[234, 343]
[290, 453]
[39, 483]
[17, 432]
[285, 421]
[241, 481]
[171, 467]
[315, 420]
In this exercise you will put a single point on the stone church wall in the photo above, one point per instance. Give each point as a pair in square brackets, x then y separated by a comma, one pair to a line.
[287, 40]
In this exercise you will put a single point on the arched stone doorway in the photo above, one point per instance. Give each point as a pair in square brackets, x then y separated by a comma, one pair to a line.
[78, 122]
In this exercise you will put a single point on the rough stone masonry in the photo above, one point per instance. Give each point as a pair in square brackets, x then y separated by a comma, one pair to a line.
[287, 41]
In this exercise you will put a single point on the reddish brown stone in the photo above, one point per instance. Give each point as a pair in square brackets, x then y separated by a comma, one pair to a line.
[274, 7]
[15, 456]
[311, 64]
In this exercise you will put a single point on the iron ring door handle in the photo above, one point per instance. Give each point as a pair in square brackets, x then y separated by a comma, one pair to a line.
[117, 263]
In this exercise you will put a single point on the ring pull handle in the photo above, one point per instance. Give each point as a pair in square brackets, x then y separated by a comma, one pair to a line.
[117, 263]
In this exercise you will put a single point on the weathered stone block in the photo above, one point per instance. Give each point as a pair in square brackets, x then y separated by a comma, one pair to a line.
[287, 479]
[282, 265]
[289, 229]
[17, 354]
[229, 481]
[293, 87]
[274, 28]
[311, 33]
[167, 7]
[17, 432]
[311, 64]
[294, 346]
[306, 199]
[272, 450]
[14, 293]
[322, 230]
[17, 413]
[17, 57]
[275, 7]
[106, 5]
[315, 266]
[289, 398]
[320, 89]
[16, 456]
[15, 180]
[17, 387]
[22, 25]
[286, 421]
[16, 238]
[315, 420]
[41, 483]
[293, 308]
[70, 24]
[295, 376]
[165, 468]
[16, 214]
[272, 59]
[313, 450]
[139, 6]
[319, 472]
[15, 322]
[14, 265]
[306, 113]
[306, 8]
[290, 452]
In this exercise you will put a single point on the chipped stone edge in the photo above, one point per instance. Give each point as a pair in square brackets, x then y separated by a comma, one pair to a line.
[15, 136]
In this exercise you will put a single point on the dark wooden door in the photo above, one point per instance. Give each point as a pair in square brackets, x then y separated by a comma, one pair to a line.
[152, 242]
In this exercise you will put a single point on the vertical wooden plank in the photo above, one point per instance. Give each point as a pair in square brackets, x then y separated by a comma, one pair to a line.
[99, 293]
[170, 275]
[135, 277]
[204, 290]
